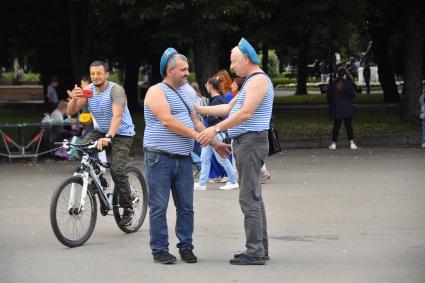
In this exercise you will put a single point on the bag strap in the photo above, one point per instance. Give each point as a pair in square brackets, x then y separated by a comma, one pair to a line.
[178, 94]
[250, 76]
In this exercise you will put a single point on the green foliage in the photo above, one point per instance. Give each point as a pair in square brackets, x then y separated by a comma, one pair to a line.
[279, 81]
[28, 77]
[113, 77]
[192, 77]
[32, 77]
[273, 63]
[290, 125]
[8, 75]
[289, 74]
[304, 125]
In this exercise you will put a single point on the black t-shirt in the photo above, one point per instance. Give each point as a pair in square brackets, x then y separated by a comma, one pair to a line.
[216, 100]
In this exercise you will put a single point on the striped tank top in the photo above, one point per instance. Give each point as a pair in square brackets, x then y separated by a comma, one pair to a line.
[260, 120]
[100, 106]
[159, 137]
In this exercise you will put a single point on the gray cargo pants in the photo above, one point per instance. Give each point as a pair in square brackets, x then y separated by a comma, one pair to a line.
[118, 152]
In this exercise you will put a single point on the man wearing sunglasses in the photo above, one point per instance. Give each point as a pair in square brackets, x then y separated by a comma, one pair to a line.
[108, 105]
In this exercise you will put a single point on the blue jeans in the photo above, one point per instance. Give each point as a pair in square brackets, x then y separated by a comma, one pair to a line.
[206, 154]
[165, 174]
[423, 130]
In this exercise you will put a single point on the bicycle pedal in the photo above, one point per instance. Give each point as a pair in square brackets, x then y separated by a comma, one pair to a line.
[129, 227]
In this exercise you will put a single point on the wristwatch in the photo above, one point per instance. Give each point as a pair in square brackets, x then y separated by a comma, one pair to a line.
[217, 129]
[108, 136]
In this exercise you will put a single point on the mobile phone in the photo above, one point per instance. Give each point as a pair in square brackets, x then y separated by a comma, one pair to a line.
[87, 93]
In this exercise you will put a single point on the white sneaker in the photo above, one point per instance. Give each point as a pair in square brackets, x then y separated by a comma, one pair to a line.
[332, 146]
[198, 187]
[224, 179]
[229, 186]
[423, 145]
[353, 145]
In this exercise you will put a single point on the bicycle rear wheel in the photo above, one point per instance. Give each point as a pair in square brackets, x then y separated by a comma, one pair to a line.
[72, 226]
[139, 193]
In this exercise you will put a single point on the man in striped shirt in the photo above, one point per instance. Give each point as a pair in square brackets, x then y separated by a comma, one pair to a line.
[248, 123]
[108, 106]
[171, 126]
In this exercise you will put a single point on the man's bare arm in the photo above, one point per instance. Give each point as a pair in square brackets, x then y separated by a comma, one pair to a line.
[216, 110]
[255, 93]
[76, 102]
[158, 104]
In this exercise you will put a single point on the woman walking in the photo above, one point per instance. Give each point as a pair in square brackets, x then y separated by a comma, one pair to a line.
[212, 86]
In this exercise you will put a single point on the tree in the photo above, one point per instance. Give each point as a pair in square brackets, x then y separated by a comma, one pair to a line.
[381, 19]
[81, 22]
[413, 60]
[301, 26]
[210, 21]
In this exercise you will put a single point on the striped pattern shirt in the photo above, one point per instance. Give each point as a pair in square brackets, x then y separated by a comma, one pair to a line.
[156, 136]
[100, 105]
[260, 120]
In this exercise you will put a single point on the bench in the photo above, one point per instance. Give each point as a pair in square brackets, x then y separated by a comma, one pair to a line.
[16, 94]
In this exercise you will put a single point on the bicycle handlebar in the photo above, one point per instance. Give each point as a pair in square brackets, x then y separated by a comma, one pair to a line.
[88, 145]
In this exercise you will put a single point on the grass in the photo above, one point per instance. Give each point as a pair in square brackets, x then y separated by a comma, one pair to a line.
[321, 99]
[304, 125]
[289, 125]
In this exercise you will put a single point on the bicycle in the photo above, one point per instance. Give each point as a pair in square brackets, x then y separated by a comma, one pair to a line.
[73, 208]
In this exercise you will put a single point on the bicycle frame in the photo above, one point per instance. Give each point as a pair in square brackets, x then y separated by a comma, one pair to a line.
[88, 175]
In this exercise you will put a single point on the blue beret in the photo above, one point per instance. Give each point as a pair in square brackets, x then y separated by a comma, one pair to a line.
[168, 53]
[248, 50]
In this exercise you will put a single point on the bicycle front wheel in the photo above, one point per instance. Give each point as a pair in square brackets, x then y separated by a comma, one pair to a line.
[71, 223]
[139, 194]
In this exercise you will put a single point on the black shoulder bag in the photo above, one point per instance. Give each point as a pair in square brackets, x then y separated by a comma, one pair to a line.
[274, 143]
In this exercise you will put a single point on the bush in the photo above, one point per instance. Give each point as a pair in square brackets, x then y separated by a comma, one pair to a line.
[32, 77]
[283, 81]
[28, 77]
[289, 74]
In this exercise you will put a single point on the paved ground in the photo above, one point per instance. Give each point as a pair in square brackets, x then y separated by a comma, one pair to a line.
[334, 216]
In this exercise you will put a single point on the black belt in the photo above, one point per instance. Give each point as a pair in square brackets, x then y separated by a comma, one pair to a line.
[251, 133]
[162, 152]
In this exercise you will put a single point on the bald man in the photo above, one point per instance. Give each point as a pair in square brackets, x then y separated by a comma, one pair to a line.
[248, 123]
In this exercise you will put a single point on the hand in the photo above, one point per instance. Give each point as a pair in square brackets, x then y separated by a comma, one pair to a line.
[196, 136]
[197, 109]
[102, 143]
[76, 93]
[222, 149]
[206, 136]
